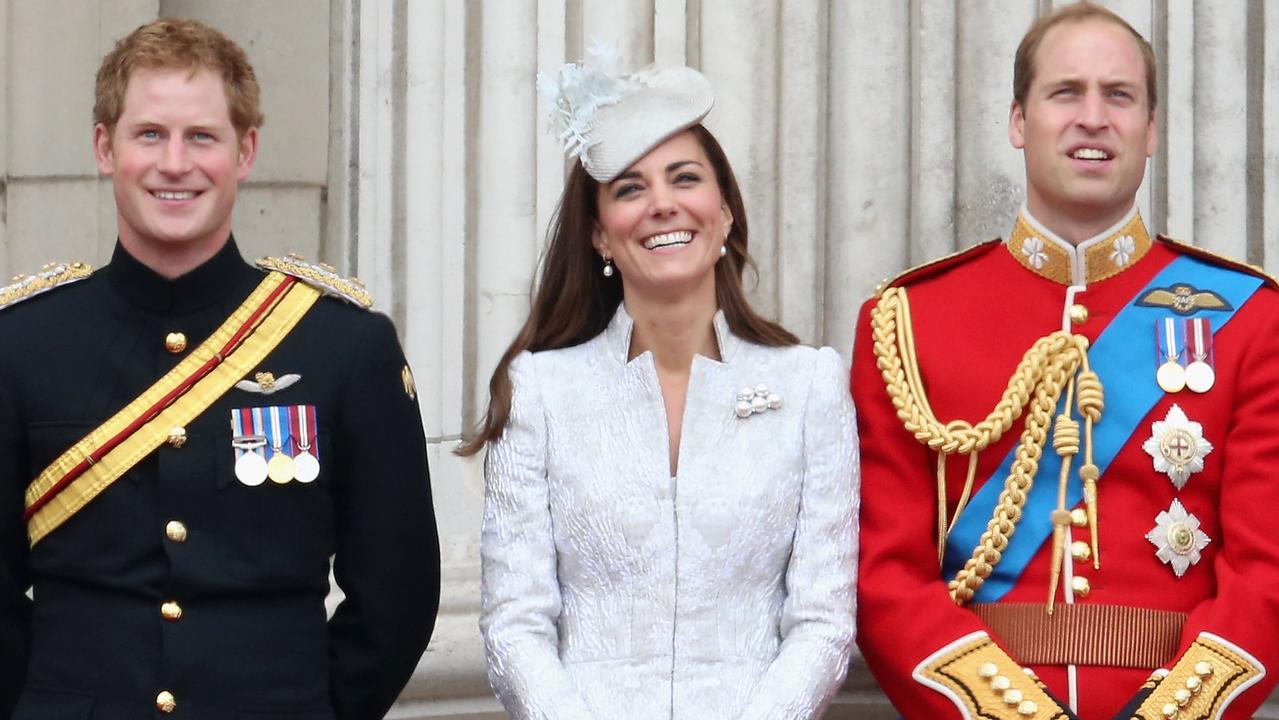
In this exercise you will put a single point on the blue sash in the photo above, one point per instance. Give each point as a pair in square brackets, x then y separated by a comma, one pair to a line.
[1124, 359]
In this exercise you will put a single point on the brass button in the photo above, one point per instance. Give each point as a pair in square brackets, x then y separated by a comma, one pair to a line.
[175, 531]
[177, 437]
[175, 342]
[165, 702]
[1081, 551]
[1078, 314]
[171, 610]
[1079, 517]
[1081, 586]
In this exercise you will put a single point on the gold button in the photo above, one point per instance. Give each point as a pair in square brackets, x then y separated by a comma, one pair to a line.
[1081, 586]
[165, 702]
[1203, 668]
[1194, 684]
[1181, 697]
[1012, 697]
[1169, 710]
[1000, 683]
[171, 610]
[175, 531]
[175, 342]
[1079, 517]
[1078, 314]
[177, 437]
[1081, 551]
[1027, 708]
[988, 670]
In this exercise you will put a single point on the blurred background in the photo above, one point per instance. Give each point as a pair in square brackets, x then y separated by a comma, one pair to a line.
[405, 143]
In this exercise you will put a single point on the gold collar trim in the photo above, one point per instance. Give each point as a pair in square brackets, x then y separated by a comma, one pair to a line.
[1095, 259]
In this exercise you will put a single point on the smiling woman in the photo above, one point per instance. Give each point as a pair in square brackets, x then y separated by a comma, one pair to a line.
[671, 479]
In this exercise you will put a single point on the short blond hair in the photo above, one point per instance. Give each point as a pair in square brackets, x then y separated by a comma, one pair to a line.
[1024, 64]
[178, 44]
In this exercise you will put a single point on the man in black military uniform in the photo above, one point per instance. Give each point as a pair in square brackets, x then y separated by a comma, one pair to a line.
[186, 440]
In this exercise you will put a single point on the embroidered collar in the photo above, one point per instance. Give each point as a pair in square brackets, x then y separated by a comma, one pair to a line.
[1095, 259]
[617, 336]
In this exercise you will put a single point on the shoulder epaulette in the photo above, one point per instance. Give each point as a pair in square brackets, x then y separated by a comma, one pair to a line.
[934, 266]
[1186, 248]
[51, 276]
[322, 276]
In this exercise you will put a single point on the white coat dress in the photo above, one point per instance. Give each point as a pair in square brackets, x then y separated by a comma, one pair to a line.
[613, 590]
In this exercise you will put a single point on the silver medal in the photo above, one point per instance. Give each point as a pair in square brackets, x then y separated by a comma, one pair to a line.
[305, 467]
[250, 469]
[1200, 376]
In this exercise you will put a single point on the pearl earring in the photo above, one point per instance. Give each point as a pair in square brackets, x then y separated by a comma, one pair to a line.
[608, 267]
[723, 250]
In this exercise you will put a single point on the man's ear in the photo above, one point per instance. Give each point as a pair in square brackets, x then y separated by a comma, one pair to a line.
[248, 153]
[103, 152]
[1017, 125]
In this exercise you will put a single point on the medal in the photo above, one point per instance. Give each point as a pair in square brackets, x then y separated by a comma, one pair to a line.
[1177, 538]
[280, 467]
[1199, 373]
[251, 469]
[247, 440]
[306, 467]
[1178, 446]
[1170, 376]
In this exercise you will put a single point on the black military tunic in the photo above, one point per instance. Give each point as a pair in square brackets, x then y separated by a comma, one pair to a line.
[179, 583]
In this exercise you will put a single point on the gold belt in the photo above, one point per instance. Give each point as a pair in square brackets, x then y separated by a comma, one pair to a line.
[1110, 635]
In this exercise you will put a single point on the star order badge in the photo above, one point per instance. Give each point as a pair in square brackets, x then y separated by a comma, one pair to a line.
[1177, 537]
[1178, 446]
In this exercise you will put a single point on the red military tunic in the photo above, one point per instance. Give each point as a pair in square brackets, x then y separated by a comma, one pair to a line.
[974, 316]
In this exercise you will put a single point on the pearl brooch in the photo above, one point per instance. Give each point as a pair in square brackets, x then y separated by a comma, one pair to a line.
[754, 400]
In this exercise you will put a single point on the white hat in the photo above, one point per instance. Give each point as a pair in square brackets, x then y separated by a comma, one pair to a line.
[610, 121]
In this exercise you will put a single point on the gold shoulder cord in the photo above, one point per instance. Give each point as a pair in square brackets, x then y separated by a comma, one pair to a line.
[1056, 362]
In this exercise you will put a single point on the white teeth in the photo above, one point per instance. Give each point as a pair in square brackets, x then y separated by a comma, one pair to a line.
[680, 237]
[166, 195]
[1091, 154]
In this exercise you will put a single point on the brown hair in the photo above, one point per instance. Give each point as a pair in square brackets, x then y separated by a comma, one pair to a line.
[178, 44]
[1024, 63]
[573, 301]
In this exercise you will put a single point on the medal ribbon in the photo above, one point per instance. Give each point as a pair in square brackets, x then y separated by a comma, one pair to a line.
[1170, 346]
[90, 466]
[1120, 364]
[1198, 338]
[301, 423]
[260, 427]
[241, 429]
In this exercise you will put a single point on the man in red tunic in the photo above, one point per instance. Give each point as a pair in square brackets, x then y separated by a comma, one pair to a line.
[1095, 415]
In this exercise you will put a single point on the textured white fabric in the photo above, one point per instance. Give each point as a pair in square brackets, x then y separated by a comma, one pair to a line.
[611, 590]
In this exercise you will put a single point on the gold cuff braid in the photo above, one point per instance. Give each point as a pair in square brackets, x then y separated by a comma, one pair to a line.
[989, 683]
[1202, 683]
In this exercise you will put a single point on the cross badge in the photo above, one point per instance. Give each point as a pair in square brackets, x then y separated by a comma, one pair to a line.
[1178, 446]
